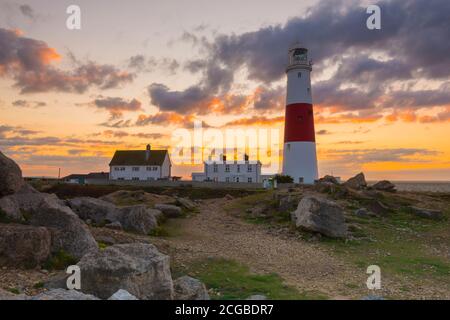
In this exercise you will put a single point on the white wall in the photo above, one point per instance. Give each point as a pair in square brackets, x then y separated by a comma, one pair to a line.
[234, 174]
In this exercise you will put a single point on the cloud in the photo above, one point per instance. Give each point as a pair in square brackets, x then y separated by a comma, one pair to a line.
[362, 156]
[28, 104]
[256, 120]
[116, 106]
[27, 11]
[323, 132]
[168, 119]
[141, 63]
[29, 63]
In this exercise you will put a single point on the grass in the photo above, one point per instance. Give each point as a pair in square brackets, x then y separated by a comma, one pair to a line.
[14, 290]
[4, 218]
[60, 261]
[159, 231]
[229, 279]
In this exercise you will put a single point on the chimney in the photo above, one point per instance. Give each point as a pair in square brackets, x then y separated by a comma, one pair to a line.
[246, 157]
[147, 152]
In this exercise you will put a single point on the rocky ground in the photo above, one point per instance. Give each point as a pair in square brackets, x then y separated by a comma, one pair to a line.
[310, 242]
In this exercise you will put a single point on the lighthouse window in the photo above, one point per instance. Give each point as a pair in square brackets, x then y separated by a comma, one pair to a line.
[299, 75]
[289, 147]
[309, 90]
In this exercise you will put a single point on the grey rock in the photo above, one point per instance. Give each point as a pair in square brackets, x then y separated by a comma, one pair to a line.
[372, 297]
[137, 268]
[122, 295]
[320, 215]
[287, 203]
[6, 295]
[363, 212]
[24, 246]
[329, 179]
[68, 232]
[63, 294]
[98, 211]
[187, 288]
[427, 213]
[139, 219]
[257, 297]
[116, 225]
[186, 203]
[357, 182]
[168, 210]
[384, 185]
[10, 176]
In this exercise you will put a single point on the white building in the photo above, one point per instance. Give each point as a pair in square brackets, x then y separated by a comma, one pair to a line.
[140, 165]
[230, 171]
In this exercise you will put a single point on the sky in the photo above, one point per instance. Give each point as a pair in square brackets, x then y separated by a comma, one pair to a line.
[138, 71]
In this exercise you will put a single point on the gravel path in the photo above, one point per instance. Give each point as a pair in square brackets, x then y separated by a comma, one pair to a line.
[214, 233]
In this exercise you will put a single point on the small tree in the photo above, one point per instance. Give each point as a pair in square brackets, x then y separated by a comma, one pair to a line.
[283, 178]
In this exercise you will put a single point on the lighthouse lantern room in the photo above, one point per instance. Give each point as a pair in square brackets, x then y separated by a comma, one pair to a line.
[299, 155]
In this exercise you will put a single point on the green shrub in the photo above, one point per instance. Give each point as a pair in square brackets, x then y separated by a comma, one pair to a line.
[60, 261]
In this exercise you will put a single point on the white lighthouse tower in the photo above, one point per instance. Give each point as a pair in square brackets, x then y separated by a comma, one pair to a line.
[299, 155]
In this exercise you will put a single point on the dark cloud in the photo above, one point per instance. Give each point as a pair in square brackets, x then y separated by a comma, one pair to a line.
[117, 106]
[322, 132]
[117, 124]
[141, 63]
[28, 104]
[27, 11]
[28, 62]
[168, 119]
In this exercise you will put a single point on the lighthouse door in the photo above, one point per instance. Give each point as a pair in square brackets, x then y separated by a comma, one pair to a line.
[301, 180]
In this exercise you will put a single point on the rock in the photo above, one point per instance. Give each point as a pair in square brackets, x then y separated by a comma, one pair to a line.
[137, 268]
[328, 179]
[135, 197]
[6, 295]
[363, 212]
[69, 233]
[229, 197]
[116, 225]
[19, 206]
[257, 297]
[378, 207]
[10, 176]
[122, 295]
[63, 294]
[186, 203]
[426, 213]
[372, 297]
[384, 185]
[139, 219]
[287, 203]
[99, 211]
[169, 211]
[320, 215]
[357, 182]
[187, 288]
[23, 246]
[57, 281]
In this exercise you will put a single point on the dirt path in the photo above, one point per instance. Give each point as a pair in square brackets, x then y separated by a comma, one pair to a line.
[214, 233]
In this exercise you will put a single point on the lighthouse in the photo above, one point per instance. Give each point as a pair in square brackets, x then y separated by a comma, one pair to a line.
[299, 154]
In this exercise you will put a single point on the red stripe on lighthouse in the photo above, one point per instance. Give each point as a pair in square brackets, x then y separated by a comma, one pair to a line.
[299, 123]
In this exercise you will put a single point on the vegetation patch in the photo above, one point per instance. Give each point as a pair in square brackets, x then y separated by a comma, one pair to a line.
[60, 261]
[227, 279]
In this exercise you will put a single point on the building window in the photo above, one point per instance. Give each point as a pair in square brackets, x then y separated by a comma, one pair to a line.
[227, 179]
[237, 179]
[289, 147]
[309, 90]
[227, 168]
[215, 168]
[238, 168]
[122, 168]
[299, 75]
[150, 178]
[149, 168]
[250, 180]
[135, 178]
[155, 168]
[116, 168]
[249, 168]
[135, 169]
[301, 180]
[121, 179]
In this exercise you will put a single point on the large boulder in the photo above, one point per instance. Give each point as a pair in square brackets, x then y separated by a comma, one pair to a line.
[186, 203]
[98, 211]
[63, 294]
[168, 210]
[20, 205]
[23, 246]
[69, 233]
[384, 185]
[320, 215]
[328, 179]
[137, 268]
[139, 219]
[10, 176]
[426, 213]
[187, 288]
[357, 182]
[6, 295]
